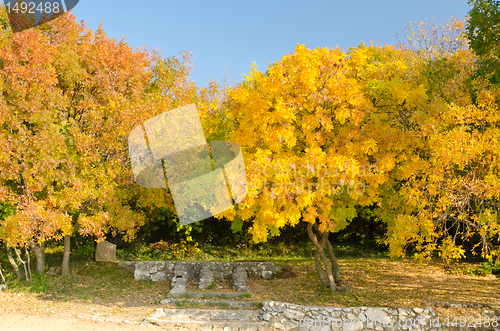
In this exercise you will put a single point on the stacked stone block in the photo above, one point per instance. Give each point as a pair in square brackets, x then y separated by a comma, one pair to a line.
[180, 279]
[221, 271]
[240, 278]
[206, 277]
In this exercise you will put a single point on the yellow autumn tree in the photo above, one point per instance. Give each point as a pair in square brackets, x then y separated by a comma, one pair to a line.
[318, 141]
[405, 130]
[452, 201]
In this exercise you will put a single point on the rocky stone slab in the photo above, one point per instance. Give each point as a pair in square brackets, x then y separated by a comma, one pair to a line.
[209, 325]
[205, 271]
[105, 252]
[207, 315]
[217, 295]
[211, 303]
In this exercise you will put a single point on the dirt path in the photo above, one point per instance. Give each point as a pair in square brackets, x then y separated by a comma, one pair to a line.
[26, 312]
[23, 322]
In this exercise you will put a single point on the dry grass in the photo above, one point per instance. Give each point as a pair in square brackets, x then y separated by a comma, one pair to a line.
[381, 282]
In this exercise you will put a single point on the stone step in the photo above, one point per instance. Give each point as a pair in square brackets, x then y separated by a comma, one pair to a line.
[204, 295]
[212, 303]
[209, 325]
[221, 315]
[208, 320]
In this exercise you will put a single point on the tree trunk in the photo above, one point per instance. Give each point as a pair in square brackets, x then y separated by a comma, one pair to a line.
[320, 256]
[1, 274]
[13, 262]
[40, 257]
[28, 275]
[341, 285]
[67, 249]
[332, 277]
[319, 268]
[28, 261]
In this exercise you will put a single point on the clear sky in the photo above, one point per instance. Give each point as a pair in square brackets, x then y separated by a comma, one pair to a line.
[236, 33]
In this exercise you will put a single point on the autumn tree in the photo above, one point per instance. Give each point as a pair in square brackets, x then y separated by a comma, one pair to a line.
[325, 132]
[452, 198]
[28, 163]
[71, 97]
[315, 146]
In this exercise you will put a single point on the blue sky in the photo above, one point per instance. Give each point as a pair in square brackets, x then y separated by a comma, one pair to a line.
[237, 33]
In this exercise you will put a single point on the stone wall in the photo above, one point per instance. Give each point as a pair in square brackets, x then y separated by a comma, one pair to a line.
[286, 316]
[222, 271]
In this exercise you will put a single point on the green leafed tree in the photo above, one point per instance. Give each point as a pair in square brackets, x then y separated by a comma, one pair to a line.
[483, 32]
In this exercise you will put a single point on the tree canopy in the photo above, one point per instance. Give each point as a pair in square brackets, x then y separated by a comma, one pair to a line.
[70, 97]
[483, 33]
[325, 133]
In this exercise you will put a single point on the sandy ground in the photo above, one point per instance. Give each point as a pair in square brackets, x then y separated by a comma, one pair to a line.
[24, 322]
[26, 312]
